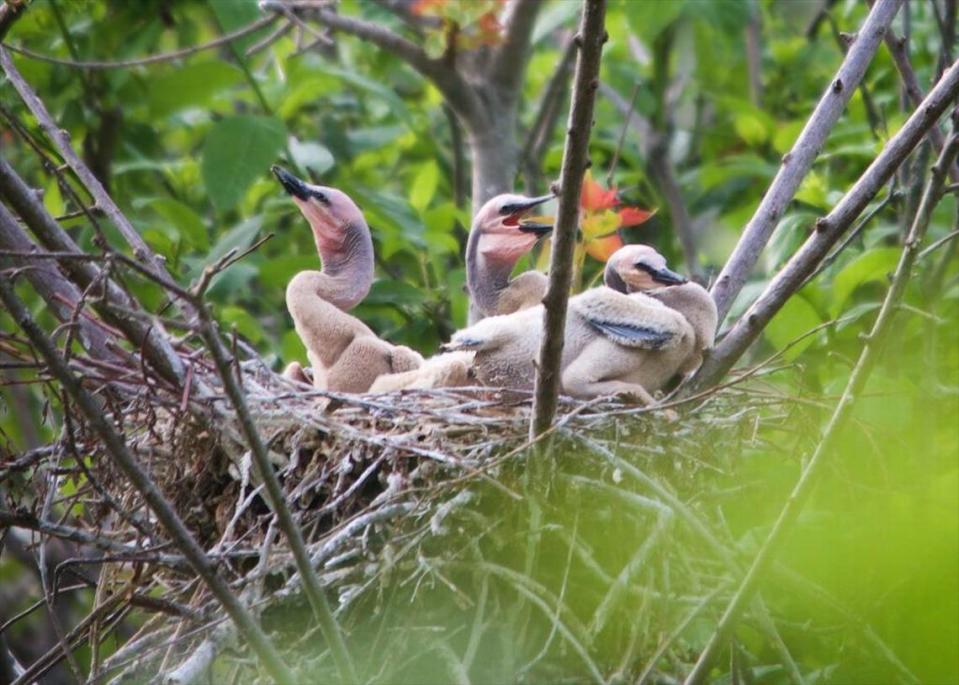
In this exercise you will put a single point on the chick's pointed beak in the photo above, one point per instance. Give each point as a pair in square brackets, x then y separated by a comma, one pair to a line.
[539, 225]
[290, 183]
[668, 277]
[536, 227]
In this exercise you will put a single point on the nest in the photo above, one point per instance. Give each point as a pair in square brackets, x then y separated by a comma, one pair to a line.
[447, 541]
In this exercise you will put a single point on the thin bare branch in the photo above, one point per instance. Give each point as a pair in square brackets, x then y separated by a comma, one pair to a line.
[252, 27]
[857, 380]
[590, 39]
[155, 345]
[127, 463]
[454, 87]
[275, 497]
[797, 162]
[828, 231]
[102, 199]
[59, 293]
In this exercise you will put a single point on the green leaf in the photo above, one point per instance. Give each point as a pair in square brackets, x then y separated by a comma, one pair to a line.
[194, 85]
[237, 151]
[870, 266]
[648, 19]
[312, 156]
[187, 222]
[277, 272]
[424, 185]
[235, 14]
[796, 318]
[246, 324]
[240, 237]
[396, 293]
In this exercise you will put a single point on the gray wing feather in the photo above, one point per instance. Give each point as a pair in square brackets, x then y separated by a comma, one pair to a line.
[633, 335]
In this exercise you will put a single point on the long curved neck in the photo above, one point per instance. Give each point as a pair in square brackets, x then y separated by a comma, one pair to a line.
[347, 267]
[486, 277]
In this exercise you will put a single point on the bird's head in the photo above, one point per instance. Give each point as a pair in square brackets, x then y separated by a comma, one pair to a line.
[639, 267]
[331, 212]
[504, 228]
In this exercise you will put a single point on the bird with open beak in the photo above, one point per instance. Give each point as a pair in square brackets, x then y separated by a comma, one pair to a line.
[503, 230]
[345, 354]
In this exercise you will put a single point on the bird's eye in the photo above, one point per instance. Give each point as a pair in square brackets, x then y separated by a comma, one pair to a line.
[506, 210]
[320, 197]
[643, 266]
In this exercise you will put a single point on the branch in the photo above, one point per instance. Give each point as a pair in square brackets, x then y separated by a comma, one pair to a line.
[59, 293]
[252, 27]
[117, 449]
[857, 380]
[797, 162]
[531, 158]
[454, 87]
[156, 347]
[276, 499]
[10, 11]
[900, 55]
[592, 35]
[828, 231]
[102, 199]
[508, 65]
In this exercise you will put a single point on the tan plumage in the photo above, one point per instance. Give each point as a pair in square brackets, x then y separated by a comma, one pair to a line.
[345, 354]
[618, 339]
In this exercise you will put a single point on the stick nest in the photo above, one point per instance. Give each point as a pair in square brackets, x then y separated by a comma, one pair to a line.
[447, 542]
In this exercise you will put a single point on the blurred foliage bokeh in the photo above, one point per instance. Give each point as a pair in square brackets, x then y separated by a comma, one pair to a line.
[185, 149]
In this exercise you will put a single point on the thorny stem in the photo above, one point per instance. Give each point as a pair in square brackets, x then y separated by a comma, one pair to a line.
[857, 380]
[592, 35]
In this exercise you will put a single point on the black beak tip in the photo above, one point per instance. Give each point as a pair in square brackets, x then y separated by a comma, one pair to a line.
[291, 184]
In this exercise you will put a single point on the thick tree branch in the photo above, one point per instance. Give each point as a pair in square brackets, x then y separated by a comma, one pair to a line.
[114, 445]
[797, 162]
[592, 35]
[508, 66]
[857, 380]
[156, 347]
[828, 231]
[102, 199]
[454, 87]
[59, 293]
[10, 11]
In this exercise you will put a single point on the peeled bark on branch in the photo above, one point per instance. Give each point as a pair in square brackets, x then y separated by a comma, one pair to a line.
[857, 380]
[828, 230]
[592, 35]
[797, 162]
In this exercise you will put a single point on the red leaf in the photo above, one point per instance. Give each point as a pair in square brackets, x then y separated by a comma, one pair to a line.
[594, 198]
[634, 216]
